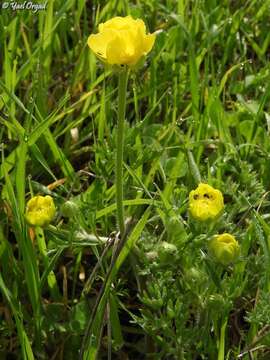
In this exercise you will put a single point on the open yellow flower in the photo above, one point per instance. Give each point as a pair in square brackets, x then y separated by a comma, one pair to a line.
[224, 248]
[205, 202]
[40, 210]
[121, 41]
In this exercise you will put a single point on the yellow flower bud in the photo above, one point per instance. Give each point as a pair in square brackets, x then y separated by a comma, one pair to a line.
[224, 248]
[121, 41]
[205, 202]
[40, 210]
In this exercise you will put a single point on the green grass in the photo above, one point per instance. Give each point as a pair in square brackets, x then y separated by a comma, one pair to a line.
[197, 111]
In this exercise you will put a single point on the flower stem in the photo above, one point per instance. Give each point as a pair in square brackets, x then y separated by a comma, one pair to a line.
[51, 278]
[221, 349]
[122, 92]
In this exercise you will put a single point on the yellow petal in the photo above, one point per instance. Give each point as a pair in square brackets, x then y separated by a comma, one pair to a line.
[99, 42]
[149, 41]
[141, 26]
[116, 52]
[117, 23]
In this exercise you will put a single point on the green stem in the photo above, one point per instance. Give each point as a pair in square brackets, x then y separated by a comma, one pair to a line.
[122, 92]
[52, 282]
[221, 349]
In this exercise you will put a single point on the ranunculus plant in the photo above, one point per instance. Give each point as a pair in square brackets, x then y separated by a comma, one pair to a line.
[39, 213]
[123, 43]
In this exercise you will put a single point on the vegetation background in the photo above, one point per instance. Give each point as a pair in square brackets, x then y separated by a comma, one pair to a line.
[197, 110]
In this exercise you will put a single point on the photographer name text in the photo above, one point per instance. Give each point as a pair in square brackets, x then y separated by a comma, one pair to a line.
[26, 5]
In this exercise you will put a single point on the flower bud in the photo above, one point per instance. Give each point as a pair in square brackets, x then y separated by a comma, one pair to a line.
[155, 304]
[194, 275]
[216, 301]
[170, 309]
[224, 248]
[166, 251]
[151, 255]
[205, 202]
[69, 209]
[40, 210]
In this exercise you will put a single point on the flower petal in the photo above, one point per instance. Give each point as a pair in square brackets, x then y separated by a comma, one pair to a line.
[149, 41]
[117, 23]
[99, 42]
[116, 51]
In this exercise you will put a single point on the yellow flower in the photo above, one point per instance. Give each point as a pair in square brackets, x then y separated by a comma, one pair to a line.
[121, 41]
[224, 248]
[40, 210]
[205, 202]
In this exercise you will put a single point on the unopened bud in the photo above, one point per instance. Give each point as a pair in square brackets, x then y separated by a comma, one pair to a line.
[224, 248]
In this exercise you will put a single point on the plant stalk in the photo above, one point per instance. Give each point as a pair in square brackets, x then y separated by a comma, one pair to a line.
[221, 348]
[122, 93]
[51, 278]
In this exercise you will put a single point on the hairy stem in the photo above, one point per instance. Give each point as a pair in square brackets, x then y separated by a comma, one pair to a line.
[221, 349]
[122, 92]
